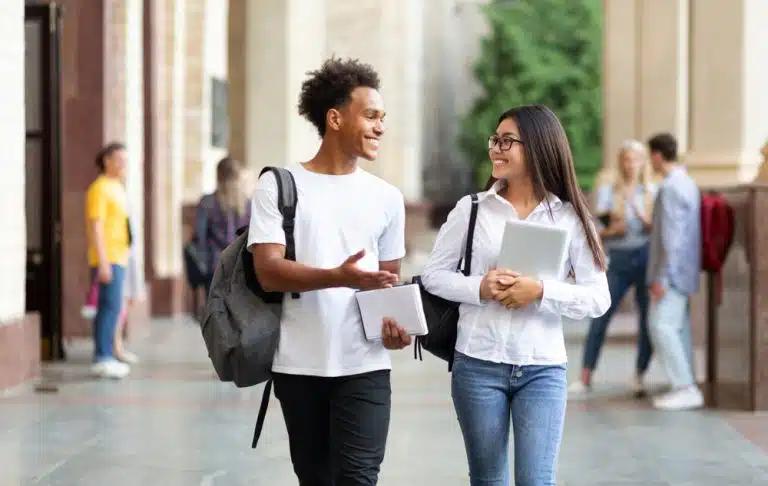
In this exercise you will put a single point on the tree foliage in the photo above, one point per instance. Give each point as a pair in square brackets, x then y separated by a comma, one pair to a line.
[540, 51]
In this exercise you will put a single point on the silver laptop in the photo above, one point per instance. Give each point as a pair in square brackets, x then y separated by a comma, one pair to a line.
[536, 250]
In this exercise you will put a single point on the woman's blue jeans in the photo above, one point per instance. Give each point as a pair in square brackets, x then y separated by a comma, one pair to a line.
[626, 268]
[107, 315]
[486, 396]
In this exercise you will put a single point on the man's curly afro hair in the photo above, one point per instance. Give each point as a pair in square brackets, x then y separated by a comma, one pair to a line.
[331, 86]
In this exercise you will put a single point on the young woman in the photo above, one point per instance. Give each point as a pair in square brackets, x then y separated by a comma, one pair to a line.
[510, 357]
[626, 206]
[222, 213]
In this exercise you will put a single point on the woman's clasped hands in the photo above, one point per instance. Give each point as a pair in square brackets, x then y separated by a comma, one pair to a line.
[510, 289]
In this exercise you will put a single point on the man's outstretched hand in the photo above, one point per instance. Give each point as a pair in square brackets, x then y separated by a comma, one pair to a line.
[352, 276]
[394, 336]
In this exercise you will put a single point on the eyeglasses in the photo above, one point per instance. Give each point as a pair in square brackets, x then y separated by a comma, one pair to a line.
[505, 143]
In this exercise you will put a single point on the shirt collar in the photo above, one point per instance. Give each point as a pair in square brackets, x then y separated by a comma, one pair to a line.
[554, 202]
[675, 170]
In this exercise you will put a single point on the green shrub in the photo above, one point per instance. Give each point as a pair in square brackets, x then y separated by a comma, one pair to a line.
[540, 51]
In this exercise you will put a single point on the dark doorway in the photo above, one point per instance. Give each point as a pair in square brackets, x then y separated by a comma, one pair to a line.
[42, 24]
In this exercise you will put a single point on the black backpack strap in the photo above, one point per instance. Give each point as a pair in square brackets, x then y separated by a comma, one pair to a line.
[470, 236]
[286, 203]
[262, 413]
[468, 252]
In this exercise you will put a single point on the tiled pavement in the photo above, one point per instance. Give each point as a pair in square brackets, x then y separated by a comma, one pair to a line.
[172, 423]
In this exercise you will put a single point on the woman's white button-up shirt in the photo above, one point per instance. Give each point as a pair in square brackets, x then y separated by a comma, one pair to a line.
[489, 331]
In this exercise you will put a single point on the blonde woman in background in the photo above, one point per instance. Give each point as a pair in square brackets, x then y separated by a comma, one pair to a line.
[624, 207]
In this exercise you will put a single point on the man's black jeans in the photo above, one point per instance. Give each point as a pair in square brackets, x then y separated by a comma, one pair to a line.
[337, 427]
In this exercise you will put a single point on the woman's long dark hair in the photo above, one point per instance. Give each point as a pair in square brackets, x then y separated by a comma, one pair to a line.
[549, 162]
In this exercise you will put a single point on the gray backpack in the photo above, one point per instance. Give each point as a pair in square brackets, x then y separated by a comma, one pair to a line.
[241, 321]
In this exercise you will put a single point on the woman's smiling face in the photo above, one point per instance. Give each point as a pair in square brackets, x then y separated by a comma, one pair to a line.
[505, 149]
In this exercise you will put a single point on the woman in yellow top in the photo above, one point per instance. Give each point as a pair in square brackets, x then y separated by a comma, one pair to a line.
[109, 241]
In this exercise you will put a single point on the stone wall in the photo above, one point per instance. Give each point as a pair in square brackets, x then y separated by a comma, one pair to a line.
[12, 198]
[19, 332]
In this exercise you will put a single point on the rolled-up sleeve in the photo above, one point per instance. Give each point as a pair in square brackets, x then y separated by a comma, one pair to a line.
[589, 296]
[440, 276]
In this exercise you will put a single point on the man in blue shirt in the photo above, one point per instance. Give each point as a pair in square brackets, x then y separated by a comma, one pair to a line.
[673, 273]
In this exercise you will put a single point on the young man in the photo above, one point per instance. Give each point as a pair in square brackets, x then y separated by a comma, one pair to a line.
[673, 273]
[333, 384]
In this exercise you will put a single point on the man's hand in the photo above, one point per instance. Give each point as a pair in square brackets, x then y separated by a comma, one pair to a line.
[496, 281]
[656, 290]
[521, 292]
[105, 274]
[350, 275]
[394, 336]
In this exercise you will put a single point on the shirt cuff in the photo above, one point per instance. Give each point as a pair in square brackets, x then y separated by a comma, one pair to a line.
[473, 289]
[554, 294]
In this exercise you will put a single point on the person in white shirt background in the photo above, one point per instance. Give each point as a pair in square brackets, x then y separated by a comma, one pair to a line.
[333, 385]
[510, 359]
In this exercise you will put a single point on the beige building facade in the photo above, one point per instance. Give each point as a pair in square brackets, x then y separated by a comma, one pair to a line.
[695, 68]
[184, 82]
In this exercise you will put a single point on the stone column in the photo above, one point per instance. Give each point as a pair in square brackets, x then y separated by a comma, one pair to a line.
[167, 132]
[620, 83]
[645, 66]
[124, 108]
[13, 243]
[134, 123]
[663, 69]
[193, 101]
[729, 99]
[272, 44]
[214, 67]
[206, 59]
[402, 50]
[397, 53]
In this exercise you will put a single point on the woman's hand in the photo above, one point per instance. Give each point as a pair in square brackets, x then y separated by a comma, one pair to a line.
[105, 273]
[640, 212]
[616, 228]
[495, 281]
[520, 293]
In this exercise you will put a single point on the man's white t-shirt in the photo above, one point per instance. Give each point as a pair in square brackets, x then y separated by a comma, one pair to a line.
[336, 216]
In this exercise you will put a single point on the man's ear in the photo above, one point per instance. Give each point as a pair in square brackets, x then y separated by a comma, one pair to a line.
[333, 119]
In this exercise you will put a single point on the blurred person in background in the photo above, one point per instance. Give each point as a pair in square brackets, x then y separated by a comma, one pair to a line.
[674, 268]
[220, 214]
[625, 208]
[109, 243]
[133, 291]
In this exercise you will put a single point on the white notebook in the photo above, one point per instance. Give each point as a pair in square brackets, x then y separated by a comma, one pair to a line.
[401, 303]
[535, 250]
